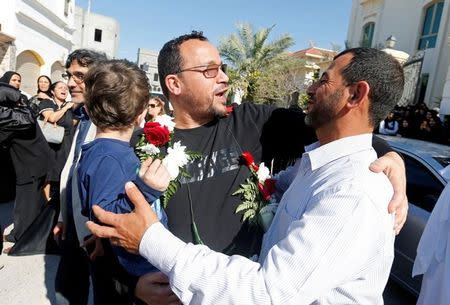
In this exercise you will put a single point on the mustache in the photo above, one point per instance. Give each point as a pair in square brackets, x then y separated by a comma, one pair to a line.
[221, 89]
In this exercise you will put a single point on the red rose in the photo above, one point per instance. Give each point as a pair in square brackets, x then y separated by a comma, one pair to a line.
[268, 188]
[249, 160]
[156, 134]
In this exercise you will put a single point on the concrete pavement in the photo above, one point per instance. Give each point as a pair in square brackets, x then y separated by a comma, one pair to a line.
[27, 280]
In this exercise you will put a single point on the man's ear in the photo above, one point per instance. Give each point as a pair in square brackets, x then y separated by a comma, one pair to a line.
[173, 84]
[358, 93]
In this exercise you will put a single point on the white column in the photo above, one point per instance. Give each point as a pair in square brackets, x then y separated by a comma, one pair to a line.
[445, 102]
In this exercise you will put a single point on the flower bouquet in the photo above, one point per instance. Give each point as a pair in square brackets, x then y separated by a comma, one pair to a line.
[157, 143]
[256, 193]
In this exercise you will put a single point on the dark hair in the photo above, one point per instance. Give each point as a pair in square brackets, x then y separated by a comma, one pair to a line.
[8, 75]
[49, 84]
[53, 85]
[116, 93]
[382, 72]
[85, 57]
[169, 58]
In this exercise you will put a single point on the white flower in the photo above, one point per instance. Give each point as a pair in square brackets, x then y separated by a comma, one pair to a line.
[149, 149]
[176, 157]
[263, 173]
[165, 120]
[172, 168]
[177, 153]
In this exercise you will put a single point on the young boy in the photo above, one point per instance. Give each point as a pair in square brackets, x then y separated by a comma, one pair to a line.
[116, 97]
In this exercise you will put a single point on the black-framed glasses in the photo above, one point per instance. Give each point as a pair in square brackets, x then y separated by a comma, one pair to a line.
[211, 71]
[78, 77]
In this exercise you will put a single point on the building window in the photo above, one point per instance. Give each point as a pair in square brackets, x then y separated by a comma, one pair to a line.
[367, 34]
[98, 35]
[155, 77]
[430, 26]
[66, 7]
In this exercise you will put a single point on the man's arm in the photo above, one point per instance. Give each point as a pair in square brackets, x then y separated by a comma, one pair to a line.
[294, 272]
[393, 166]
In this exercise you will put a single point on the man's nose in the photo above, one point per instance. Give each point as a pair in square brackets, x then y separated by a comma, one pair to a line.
[223, 77]
[71, 83]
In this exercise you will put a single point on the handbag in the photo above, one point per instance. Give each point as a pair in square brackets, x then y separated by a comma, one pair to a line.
[53, 133]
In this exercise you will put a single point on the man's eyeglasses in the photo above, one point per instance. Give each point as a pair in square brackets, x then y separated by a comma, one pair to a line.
[152, 105]
[211, 71]
[78, 77]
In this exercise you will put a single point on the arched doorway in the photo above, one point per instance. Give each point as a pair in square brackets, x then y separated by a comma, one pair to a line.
[57, 70]
[28, 65]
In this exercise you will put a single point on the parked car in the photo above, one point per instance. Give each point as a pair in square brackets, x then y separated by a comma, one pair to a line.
[423, 161]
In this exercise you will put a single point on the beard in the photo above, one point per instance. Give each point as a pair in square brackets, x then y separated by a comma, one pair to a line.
[323, 112]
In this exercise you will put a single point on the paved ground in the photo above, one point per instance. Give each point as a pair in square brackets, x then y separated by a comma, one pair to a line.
[25, 279]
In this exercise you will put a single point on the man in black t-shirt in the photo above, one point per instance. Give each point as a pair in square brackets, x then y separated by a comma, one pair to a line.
[192, 77]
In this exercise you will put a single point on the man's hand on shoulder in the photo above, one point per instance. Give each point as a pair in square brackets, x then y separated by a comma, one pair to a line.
[394, 168]
[125, 230]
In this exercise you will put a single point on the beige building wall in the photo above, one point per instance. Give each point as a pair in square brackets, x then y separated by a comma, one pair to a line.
[34, 35]
[147, 60]
[404, 19]
[97, 32]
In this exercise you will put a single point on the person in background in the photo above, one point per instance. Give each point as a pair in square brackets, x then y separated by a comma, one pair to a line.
[43, 92]
[155, 108]
[433, 252]
[29, 153]
[389, 126]
[405, 130]
[14, 79]
[57, 111]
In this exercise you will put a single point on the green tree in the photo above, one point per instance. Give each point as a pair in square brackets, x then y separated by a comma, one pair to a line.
[249, 53]
[279, 83]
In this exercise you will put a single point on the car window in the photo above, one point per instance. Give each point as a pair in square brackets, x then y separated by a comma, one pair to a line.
[423, 188]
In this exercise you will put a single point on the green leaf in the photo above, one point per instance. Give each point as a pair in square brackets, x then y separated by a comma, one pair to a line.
[249, 214]
[195, 235]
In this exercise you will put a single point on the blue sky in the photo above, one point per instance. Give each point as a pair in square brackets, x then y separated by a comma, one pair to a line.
[150, 23]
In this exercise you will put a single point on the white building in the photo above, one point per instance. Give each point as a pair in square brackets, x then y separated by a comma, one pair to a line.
[97, 32]
[316, 60]
[418, 26]
[35, 38]
[147, 60]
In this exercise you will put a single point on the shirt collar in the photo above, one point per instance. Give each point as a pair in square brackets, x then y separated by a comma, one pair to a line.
[80, 113]
[319, 155]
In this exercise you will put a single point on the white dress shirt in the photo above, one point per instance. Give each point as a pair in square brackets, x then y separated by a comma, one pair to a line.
[331, 241]
[433, 253]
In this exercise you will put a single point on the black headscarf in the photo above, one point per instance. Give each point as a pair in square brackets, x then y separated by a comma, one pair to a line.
[7, 76]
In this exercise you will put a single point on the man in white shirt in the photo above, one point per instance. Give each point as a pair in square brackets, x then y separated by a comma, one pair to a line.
[433, 252]
[331, 241]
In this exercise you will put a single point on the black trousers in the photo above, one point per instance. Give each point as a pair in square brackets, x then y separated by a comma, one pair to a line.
[27, 206]
[75, 271]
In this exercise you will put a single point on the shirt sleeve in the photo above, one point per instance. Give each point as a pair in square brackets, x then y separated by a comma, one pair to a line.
[324, 248]
[46, 105]
[104, 185]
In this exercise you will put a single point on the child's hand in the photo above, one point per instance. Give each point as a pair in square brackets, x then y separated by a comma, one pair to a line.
[154, 174]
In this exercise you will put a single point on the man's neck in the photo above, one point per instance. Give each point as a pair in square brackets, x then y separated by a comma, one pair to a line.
[332, 132]
[184, 120]
[123, 135]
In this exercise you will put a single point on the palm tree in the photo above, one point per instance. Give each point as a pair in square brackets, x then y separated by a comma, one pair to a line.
[248, 53]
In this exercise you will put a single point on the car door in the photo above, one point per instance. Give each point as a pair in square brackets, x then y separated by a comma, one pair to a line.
[423, 190]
